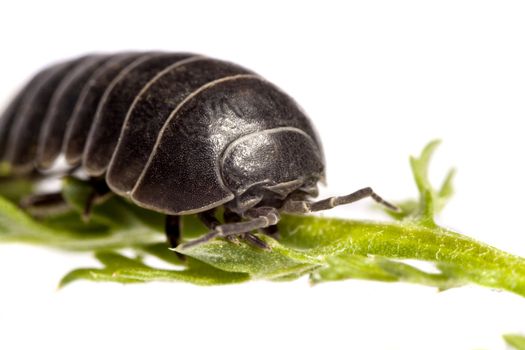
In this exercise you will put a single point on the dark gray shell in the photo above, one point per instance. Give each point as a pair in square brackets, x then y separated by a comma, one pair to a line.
[22, 136]
[151, 109]
[158, 126]
[112, 110]
[61, 108]
[87, 104]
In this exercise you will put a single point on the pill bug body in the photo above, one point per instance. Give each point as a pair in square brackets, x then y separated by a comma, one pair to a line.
[176, 133]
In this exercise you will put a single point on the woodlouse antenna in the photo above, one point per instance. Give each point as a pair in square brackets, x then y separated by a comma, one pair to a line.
[303, 207]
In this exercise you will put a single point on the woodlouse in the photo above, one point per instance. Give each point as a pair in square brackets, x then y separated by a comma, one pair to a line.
[177, 133]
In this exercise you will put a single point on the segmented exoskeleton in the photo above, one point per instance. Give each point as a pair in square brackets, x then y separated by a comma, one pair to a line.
[177, 133]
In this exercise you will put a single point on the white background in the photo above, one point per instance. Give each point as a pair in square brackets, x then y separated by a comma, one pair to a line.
[379, 80]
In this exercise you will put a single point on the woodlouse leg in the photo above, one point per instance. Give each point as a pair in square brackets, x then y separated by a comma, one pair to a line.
[230, 217]
[302, 207]
[256, 241]
[272, 231]
[259, 218]
[172, 228]
[42, 199]
[44, 203]
[100, 190]
[208, 218]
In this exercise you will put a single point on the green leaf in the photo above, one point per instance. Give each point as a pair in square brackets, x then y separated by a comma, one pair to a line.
[119, 268]
[430, 201]
[114, 224]
[335, 249]
[14, 189]
[517, 341]
[381, 269]
[458, 257]
[325, 249]
[112, 211]
[280, 262]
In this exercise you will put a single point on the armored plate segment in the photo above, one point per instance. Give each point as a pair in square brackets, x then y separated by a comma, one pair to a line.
[61, 109]
[104, 133]
[88, 101]
[151, 109]
[22, 138]
[14, 107]
[177, 133]
[186, 158]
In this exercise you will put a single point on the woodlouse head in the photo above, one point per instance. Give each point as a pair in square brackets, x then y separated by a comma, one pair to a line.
[267, 167]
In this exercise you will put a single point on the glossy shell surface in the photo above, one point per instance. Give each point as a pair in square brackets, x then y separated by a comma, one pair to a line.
[155, 125]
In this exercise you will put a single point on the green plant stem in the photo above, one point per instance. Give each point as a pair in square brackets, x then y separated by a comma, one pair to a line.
[323, 248]
[460, 257]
